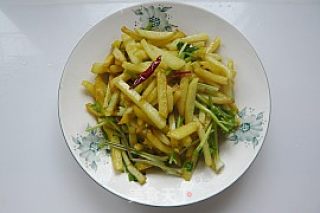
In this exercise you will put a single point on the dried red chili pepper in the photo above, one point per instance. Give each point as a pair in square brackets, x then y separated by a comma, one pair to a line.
[180, 74]
[146, 74]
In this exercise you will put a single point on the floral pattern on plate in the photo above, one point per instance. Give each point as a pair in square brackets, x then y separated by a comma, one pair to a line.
[250, 129]
[88, 147]
[154, 18]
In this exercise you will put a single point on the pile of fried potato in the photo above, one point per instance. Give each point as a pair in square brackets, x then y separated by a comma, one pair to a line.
[176, 115]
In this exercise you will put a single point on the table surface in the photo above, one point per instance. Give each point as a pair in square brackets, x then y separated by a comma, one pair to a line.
[37, 171]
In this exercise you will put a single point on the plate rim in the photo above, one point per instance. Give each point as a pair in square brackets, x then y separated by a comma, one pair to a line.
[269, 108]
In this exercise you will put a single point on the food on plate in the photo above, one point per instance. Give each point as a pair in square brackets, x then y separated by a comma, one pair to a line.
[163, 100]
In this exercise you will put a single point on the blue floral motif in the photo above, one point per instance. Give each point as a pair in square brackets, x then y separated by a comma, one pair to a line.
[251, 126]
[88, 146]
[154, 18]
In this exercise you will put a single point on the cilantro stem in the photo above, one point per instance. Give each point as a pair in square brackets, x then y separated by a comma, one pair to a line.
[213, 116]
[172, 171]
[204, 139]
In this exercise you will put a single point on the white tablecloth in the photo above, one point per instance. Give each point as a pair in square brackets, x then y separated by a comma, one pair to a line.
[37, 171]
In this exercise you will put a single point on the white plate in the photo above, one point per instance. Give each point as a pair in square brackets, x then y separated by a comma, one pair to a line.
[238, 152]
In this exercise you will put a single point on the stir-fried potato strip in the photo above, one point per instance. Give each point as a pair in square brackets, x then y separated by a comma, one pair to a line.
[163, 99]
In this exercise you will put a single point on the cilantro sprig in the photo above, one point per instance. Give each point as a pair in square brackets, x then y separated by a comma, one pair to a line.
[186, 51]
